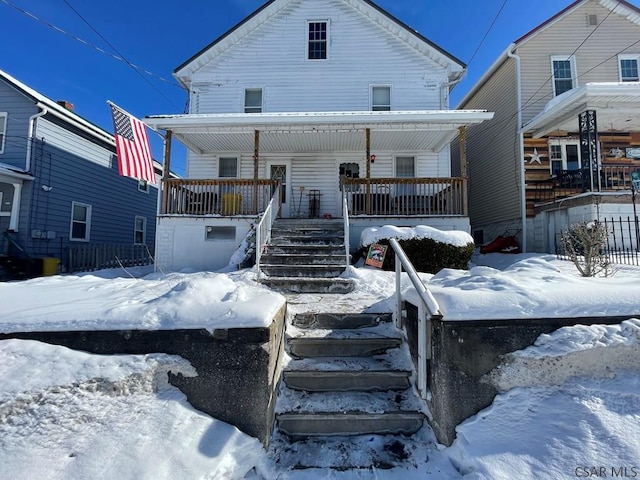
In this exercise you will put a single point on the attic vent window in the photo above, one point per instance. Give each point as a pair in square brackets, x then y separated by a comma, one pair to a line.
[317, 46]
[592, 20]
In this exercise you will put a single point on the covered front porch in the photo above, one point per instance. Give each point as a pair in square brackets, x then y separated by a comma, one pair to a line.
[385, 163]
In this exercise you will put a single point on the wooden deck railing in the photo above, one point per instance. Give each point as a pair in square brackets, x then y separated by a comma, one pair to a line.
[216, 197]
[406, 196]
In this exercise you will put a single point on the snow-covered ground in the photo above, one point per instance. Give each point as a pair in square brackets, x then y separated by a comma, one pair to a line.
[71, 415]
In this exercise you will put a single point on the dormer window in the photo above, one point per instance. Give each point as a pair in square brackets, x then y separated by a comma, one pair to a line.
[317, 43]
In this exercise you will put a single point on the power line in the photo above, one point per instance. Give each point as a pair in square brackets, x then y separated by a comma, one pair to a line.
[495, 19]
[120, 54]
[118, 57]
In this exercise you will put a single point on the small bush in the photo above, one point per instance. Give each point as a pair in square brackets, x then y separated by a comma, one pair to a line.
[584, 244]
[427, 255]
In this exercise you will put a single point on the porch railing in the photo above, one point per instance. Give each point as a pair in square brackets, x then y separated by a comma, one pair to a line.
[216, 197]
[430, 310]
[263, 230]
[345, 219]
[406, 196]
[567, 183]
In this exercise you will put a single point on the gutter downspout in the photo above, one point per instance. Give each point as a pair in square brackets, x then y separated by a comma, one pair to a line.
[32, 128]
[523, 188]
[444, 99]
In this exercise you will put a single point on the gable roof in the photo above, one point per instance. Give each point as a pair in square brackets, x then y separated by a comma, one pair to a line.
[273, 7]
[620, 7]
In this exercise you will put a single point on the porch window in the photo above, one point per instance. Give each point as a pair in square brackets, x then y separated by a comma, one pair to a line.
[380, 98]
[564, 155]
[564, 74]
[140, 230]
[80, 222]
[253, 100]
[228, 167]
[3, 129]
[317, 44]
[629, 68]
[405, 168]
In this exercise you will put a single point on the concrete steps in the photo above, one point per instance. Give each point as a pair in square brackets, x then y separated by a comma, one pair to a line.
[346, 388]
[306, 256]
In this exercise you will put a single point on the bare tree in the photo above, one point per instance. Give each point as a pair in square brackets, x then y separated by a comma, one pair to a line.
[584, 243]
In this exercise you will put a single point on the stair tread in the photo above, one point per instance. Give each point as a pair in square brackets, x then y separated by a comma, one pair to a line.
[300, 402]
[395, 359]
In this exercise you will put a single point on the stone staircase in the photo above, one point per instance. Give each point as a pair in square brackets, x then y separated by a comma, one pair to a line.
[346, 400]
[306, 256]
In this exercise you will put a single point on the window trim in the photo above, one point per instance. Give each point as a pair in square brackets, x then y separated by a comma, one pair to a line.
[144, 230]
[244, 100]
[371, 105]
[236, 158]
[574, 76]
[87, 222]
[627, 56]
[3, 131]
[326, 42]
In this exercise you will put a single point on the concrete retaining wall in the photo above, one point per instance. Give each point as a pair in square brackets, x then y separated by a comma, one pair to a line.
[465, 351]
[238, 369]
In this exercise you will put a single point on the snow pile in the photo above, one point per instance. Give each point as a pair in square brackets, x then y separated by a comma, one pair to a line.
[452, 237]
[66, 414]
[153, 302]
[582, 414]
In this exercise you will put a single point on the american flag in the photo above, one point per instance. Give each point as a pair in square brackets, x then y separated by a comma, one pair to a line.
[132, 146]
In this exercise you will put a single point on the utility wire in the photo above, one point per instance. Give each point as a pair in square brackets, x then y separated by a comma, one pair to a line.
[117, 57]
[495, 19]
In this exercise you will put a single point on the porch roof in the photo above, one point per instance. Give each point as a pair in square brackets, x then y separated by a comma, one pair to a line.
[617, 107]
[12, 173]
[428, 130]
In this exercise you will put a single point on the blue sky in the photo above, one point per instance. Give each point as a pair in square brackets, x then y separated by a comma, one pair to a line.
[158, 35]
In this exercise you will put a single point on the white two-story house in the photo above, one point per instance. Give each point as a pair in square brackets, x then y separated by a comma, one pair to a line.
[328, 99]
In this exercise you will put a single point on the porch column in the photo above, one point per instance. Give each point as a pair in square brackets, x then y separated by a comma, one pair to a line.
[256, 159]
[15, 207]
[463, 169]
[166, 170]
[367, 197]
[588, 127]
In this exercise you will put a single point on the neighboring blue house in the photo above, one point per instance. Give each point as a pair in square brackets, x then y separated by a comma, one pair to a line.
[60, 187]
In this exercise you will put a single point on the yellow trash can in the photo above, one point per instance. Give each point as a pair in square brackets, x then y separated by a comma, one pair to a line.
[231, 203]
[50, 266]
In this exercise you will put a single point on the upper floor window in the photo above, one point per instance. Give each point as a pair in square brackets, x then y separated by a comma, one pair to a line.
[380, 98]
[140, 230]
[317, 44]
[629, 68]
[143, 186]
[253, 100]
[3, 130]
[564, 74]
[228, 167]
[80, 222]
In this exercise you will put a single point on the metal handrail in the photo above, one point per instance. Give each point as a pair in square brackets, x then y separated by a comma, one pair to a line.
[263, 230]
[431, 307]
[345, 216]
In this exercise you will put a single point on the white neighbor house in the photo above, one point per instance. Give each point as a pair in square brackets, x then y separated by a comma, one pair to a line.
[320, 97]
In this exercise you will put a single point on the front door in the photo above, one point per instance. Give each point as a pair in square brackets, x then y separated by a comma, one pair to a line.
[281, 170]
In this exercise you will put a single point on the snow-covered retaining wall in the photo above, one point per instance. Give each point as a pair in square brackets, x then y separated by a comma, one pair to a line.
[471, 364]
[236, 370]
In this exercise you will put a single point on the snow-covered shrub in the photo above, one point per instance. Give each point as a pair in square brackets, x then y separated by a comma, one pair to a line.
[584, 244]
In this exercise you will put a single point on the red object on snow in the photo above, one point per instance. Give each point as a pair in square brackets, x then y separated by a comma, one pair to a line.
[502, 244]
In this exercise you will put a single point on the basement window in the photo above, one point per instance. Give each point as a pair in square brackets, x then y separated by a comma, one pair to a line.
[220, 233]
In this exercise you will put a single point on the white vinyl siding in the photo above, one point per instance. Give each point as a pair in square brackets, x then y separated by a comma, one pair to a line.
[381, 98]
[80, 228]
[253, 100]
[629, 67]
[563, 70]
[341, 83]
[3, 130]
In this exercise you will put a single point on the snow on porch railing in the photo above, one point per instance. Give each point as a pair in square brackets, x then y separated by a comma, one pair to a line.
[430, 310]
[263, 230]
[345, 216]
[226, 197]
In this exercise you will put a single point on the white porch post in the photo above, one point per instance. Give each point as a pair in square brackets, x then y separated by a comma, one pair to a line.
[15, 207]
